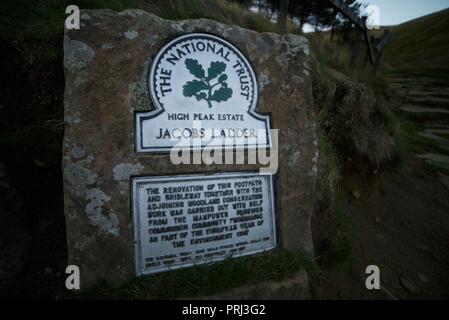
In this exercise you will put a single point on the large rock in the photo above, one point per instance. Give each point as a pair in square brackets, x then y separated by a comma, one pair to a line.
[106, 67]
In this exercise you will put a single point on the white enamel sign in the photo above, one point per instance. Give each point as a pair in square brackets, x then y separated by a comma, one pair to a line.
[205, 94]
[181, 221]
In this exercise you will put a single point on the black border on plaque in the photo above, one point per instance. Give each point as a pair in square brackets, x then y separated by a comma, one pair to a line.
[267, 116]
[196, 173]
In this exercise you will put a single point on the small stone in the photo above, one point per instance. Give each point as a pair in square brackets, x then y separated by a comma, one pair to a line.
[377, 219]
[356, 194]
[423, 278]
[40, 164]
[408, 285]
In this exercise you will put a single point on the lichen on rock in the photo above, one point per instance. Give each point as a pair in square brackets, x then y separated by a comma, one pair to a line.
[107, 223]
[123, 171]
[77, 54]
[106, 72]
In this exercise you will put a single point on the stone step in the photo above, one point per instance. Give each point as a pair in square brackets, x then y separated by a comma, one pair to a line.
[414, 77]
[443, 93]
[418, 81]
[435, 157]
[421, 93]
[443, 131]
[438, 126]
[427, 116]
[423, 109]
[432, 136]
[407, 88]
[296, 288]
[428, 101]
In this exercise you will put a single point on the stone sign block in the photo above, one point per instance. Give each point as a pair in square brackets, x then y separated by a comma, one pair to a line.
[107, 66]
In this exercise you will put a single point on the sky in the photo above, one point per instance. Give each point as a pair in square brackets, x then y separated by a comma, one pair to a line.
[392, 12]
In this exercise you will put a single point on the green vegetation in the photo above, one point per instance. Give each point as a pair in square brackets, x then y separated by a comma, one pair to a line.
[41, 19]
[416, 60]
[352, 106]
[415, 143]
[354, 121]
[330, 167]
[36, 26]
[435, 168]
[421, 46]
[206, 279]
[410, 141]
[219, 10]
[335, 246]
[356, 128]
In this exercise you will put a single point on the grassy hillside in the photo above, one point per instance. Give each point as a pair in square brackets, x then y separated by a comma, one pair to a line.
[38, 19]
[421, 44]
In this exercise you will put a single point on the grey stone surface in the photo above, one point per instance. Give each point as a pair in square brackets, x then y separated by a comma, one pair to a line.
[296, 288]
[106, 67]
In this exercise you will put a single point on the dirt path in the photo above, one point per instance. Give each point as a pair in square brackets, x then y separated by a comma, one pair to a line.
[400, 218]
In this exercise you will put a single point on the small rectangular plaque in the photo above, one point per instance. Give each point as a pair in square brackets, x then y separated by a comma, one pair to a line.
[181, 221]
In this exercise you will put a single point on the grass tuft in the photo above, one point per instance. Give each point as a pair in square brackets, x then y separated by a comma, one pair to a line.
[412, 142]
[435, 168]
[223, 11]
[353, 116]
[206, 280]
[335, 246]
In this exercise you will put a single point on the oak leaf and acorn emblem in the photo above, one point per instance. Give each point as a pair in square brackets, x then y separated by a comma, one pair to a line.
[212, 87]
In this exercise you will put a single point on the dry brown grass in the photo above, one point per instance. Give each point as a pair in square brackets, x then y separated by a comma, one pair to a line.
[227, 12]
[353, 122]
